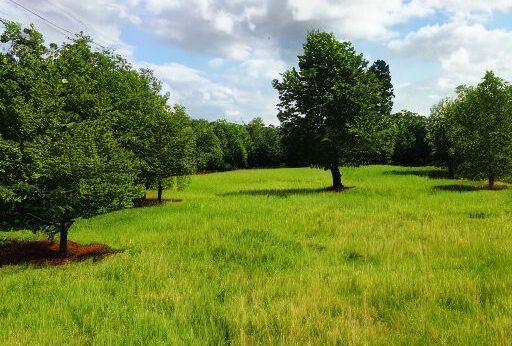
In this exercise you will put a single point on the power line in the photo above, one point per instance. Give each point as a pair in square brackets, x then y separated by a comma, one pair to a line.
[63, 30]
[66, 12]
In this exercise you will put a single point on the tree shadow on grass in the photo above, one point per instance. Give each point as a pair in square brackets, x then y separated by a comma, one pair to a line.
[468, 188]
[429, 173]
[282, 192]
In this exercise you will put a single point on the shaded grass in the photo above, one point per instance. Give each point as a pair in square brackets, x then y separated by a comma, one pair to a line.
[393, 261]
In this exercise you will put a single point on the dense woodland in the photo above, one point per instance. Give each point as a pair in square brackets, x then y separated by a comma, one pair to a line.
[83, 132]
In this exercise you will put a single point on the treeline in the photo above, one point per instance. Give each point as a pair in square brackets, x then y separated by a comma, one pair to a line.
[469, 134]
[223, 145]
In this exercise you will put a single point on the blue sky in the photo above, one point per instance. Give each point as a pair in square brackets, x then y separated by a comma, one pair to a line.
[218, 57]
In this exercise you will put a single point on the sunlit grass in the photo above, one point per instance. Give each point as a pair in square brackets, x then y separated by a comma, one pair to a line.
[267, 257]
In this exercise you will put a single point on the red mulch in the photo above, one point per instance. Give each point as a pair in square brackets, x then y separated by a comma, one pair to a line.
[44, 252]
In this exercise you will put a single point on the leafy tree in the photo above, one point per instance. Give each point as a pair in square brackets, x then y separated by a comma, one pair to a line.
[411, 146]
[171, 146]
[482, 128]
[381, 70]
[266, 142]
[236, 143]
[332, 102]
[81, 131]
[439, 137]
[208, 152]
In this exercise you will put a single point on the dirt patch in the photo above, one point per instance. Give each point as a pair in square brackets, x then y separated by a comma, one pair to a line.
[149, 202]
[44, 252]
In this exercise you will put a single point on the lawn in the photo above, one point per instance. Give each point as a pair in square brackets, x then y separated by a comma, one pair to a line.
[268, 257]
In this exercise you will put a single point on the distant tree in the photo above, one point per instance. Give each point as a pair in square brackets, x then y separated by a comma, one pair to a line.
[266, 140]
[332, 102]
[411, 147]
[381, 70]
[439, 136]
[482, 129]
[208, 153]
[171, 147]
[236, 143]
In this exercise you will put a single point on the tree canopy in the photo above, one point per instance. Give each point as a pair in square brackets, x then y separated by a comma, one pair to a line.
[78, 130]
[331, 107]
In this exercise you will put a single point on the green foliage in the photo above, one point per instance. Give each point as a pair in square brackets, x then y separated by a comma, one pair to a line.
[410, 143]
[381, 70]
[266, 142]
[208, 153]
[81, 130]
[235, 141]
[171, 145]
[438, 135]
[332, 103]
[479, 129]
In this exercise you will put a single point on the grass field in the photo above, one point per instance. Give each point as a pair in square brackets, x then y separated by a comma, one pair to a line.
[265, 257]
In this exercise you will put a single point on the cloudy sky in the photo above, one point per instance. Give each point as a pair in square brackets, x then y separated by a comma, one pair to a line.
[218, 57]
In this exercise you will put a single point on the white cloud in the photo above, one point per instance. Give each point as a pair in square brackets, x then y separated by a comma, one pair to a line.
[216, 62]
[247, 43]
[464, 51]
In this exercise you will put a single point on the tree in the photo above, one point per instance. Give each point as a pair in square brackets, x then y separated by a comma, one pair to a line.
[411, 147]
[266, 142]
[208, 153]
[236, 143]
[439, 137]
[171, 146]
[381, 70]
[482, 128]
[81, 131]
[332, 101]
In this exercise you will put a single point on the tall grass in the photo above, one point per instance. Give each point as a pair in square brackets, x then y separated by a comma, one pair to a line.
[268, 257]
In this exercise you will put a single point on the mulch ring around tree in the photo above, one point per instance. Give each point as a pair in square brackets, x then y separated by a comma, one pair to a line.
[46, 253]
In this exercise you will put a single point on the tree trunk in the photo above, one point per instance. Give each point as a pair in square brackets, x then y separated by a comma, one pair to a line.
[160, 191]
[491, 176]
[336, 178]
[451, 171]
[63, 246]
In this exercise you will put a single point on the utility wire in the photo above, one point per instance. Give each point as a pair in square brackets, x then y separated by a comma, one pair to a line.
[63, 30]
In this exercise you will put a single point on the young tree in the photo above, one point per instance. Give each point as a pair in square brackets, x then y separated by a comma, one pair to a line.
[411, 147]
[266, 141]
[482, 129]
[171, 146]
[381, 70]
[236, 143]
[439, 136]
[332, 102]
[208, 153]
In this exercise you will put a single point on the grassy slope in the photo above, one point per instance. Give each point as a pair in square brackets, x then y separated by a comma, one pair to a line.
[261, 257]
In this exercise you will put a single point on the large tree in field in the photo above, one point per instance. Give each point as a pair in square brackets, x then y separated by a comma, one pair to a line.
[331, 105]
[482, 129]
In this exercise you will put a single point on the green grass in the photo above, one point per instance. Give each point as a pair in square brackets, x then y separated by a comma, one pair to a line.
[264, 257]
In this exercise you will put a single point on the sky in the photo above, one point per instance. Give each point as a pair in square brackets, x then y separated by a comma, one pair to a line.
[218, 57]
